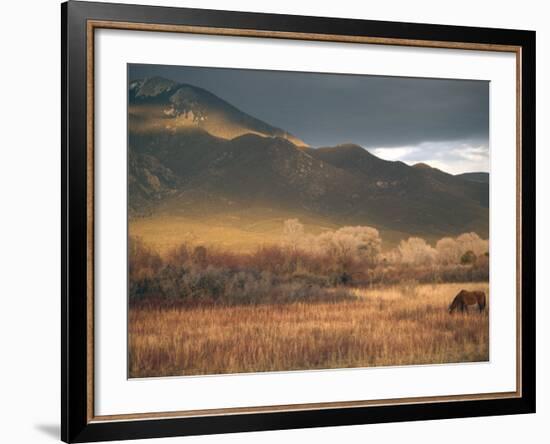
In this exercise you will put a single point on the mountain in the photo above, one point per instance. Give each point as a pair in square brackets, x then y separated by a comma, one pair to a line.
[417, 199]
[159, 105]
[182, 163]
[475, 177]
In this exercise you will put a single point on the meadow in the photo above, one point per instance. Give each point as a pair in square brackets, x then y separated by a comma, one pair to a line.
[241, 230]
[393, 325]
[328, 299]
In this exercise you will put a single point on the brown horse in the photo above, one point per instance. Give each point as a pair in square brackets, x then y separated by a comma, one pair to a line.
[465, 298]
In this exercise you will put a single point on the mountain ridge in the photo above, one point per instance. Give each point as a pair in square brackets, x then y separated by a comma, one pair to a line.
[478, 176]
[157, 104]
[190, 169]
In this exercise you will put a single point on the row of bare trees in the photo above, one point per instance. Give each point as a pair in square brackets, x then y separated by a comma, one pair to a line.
[364, 244]
[304, 267]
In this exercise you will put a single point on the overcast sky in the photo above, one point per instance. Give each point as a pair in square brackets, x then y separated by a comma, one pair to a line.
[444, 123]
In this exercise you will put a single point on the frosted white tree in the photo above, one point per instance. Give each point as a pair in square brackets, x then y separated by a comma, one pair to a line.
[350, 243]
[293, 232]
[472, 242]
[416, 251]
[448, 251]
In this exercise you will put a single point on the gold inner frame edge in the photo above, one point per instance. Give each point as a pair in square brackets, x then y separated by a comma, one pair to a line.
[92, 25]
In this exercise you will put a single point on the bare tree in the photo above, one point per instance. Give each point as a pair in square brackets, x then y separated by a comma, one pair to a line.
[451, 250]
[472, 242]
[293, 232]
[448, 251]
[416, 251]
[349, 244]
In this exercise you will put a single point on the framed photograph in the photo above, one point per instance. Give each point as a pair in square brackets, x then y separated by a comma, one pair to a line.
[275, 221]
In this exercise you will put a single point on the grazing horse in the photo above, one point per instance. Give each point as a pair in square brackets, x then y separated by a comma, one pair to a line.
[465, 298]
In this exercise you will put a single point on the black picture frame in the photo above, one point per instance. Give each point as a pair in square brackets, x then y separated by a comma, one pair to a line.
[76, 423]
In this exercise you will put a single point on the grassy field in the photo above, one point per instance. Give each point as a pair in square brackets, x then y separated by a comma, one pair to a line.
[237, 231]
[398, 325]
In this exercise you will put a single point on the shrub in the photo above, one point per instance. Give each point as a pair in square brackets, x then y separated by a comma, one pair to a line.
[143, 262]
[472, 242]
[468, 258]
[298, 272]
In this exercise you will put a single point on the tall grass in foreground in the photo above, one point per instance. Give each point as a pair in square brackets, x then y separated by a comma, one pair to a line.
[396, 325]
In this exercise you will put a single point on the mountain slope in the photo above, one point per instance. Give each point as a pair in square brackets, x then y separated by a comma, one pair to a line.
[249, 169]
[161, 105]
[195, 168]
[475, 177]
[215, 175]
[411, 198]
[387, 175]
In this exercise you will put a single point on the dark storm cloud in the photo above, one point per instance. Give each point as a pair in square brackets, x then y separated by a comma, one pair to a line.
[329, 109]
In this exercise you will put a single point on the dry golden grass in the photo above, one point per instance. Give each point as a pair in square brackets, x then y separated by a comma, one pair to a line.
[224, 232]
[240, 231]
[400, 325]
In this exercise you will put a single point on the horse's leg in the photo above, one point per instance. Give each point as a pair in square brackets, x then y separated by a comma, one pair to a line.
[466, 308]
[482, 304]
